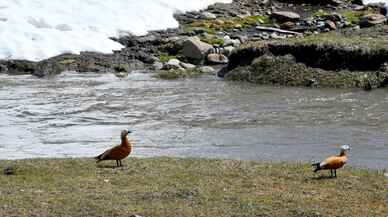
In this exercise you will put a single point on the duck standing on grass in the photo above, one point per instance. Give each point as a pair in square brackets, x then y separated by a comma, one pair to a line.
[334, 162]
[118, 152]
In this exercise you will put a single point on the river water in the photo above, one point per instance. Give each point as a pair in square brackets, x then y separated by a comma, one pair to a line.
[80, 115]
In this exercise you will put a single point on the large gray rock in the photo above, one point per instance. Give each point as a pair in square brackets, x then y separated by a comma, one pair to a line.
[285, 16]
[196, 49]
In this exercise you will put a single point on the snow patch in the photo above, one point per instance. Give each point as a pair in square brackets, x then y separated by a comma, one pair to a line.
[39, 29]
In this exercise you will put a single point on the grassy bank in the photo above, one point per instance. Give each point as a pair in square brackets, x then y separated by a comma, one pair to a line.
[343, 59]
[186, 187]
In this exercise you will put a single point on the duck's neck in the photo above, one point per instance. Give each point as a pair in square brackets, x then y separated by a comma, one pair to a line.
[124, 141]
[343, 153]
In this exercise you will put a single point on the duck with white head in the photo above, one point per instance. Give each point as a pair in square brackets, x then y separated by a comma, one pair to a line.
[334, 162]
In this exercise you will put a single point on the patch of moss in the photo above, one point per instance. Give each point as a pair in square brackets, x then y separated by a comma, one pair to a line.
[212, 26]
[164, 57]
[121, 68]
[353, 16]
[285, 71]
[269, 69]
[21, 66]
[254, 20]
[321, 13]
[214, 41]
[67, 61]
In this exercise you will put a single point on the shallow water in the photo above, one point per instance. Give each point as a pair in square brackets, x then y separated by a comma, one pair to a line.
[80, 115]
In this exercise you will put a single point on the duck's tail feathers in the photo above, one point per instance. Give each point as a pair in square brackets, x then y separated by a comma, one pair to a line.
[317, 167]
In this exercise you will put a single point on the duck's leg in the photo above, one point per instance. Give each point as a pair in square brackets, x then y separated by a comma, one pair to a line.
[335, 173]
[117, 163]
[121, 164]
[331, 173]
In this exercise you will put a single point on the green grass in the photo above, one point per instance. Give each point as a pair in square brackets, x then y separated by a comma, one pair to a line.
[214, 41]
[187, 187]
[164, 57]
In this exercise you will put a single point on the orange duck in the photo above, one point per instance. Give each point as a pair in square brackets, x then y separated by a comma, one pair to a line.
[118, 152]
[334, 162]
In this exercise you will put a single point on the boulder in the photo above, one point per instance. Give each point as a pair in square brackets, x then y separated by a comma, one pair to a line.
[187, 65]
[172, 64]
[372, 19]
[217, 58]
[285, 16]
[157, 66]
[206, 69]
[228, 50]
[231, 42]
[196, 49]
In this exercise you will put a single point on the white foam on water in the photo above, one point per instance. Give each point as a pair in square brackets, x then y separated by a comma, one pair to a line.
[39, 29]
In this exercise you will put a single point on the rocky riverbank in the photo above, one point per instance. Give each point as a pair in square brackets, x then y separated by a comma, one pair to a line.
[243, 37]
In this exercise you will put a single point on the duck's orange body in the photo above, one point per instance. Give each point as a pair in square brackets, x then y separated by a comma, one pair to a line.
[334, 162]
[118, 152]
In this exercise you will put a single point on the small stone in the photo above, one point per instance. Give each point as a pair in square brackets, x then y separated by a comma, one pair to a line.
[359, 7]
[264, 36]
[386, 175]
[187, 65]
[206, 69]
[217, 58]
[274, 35]
[228, 50]
[287, 25]
[330, 24]
[172, 64]
[285, 16]
[233, 42]
[335, 2]
[219, 22]
[157, 66]
[238, 26]
[208, 16]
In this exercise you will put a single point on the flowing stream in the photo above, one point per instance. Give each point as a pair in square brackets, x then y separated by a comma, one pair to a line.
[80, 115]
